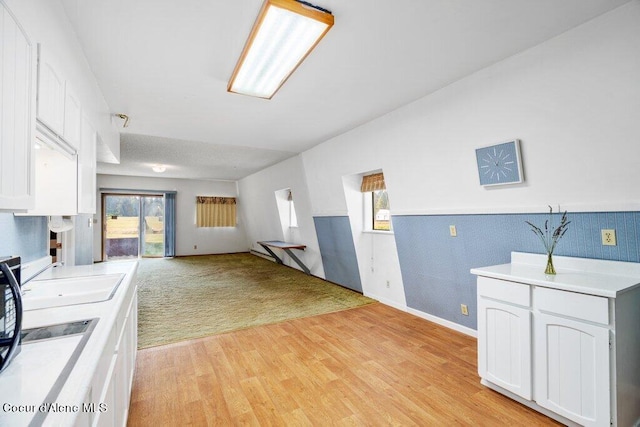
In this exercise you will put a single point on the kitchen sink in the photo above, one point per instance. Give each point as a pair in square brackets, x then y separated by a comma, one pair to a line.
[48, 293]
[47, 357]
[56, 331]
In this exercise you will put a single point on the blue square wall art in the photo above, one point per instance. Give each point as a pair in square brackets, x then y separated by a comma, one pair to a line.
[500, 164]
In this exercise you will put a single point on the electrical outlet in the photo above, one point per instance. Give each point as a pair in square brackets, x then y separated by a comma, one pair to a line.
[464, 309]
[195, 246]
[388, 284]
[452, 231]
[609, 237]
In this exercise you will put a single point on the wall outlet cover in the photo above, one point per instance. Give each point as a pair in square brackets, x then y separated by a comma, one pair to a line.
[464, 309]
[609, 237]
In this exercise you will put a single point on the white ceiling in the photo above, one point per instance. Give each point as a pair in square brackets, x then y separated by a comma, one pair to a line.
[166, 64]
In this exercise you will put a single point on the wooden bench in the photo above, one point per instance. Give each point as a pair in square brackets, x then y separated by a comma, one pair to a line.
[287, 248]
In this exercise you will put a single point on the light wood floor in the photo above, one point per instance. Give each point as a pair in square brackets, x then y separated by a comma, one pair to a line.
[372, 365]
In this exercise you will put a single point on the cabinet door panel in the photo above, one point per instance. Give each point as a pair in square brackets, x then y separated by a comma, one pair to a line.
[572, 369]
[87, 169]
[51, 93]
[72, 118]
[108, 417]
[56, 183]
[16, 116]
[504, 346]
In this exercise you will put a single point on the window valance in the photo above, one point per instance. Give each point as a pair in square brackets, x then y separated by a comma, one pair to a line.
[216, 200]
[373, 182]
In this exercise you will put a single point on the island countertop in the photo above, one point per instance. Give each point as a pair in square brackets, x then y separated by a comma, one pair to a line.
[588, 276]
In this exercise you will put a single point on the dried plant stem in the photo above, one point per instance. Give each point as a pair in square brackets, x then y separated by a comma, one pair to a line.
[550, 236]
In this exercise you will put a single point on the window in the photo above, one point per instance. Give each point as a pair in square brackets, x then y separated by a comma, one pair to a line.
[293, 218]
[377, 211]
[286, 212]
[215, 211]
[381, 213]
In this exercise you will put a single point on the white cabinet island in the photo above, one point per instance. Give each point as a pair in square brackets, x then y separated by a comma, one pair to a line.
[567, 345]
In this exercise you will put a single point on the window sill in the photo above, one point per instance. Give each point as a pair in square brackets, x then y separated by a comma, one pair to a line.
[378, 232]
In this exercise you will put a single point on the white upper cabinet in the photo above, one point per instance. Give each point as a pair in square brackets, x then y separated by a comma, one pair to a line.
[72, 118]
[65, 161]
[87, 169]
[51, 93]
[59, 108]
[56, 183]
[17, 119]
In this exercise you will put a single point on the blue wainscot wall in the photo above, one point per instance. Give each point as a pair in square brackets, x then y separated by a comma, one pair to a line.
[435, 266]
[24, 236]
[338, 251]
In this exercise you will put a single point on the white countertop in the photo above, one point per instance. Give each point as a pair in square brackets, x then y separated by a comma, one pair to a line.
[587, 276]
[27, 380]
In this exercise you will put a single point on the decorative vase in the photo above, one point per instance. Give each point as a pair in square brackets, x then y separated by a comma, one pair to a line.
[550, 269]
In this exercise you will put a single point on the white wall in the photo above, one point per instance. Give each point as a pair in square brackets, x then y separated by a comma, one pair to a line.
[45, 22]
[209, 240]
[573, 101]
[259, 211]
[376, 251]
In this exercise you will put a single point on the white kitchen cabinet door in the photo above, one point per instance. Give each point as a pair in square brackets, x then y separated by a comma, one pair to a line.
[87, 169]
[51, 93]
[56, 183]
[72, 118]
[572, 369]
[116, 382]
[17, 123]
[123, 374]
[504, 346]
[108, 417]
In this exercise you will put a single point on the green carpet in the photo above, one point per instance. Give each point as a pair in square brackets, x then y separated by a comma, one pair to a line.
[191, 297]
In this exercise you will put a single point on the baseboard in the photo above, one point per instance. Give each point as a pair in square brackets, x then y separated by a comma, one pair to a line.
[443, 322]
[440, 321]
[386, 301]
[261, 255]
[208, 254]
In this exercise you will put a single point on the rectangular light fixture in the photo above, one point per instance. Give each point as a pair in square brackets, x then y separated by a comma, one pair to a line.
[284, 33]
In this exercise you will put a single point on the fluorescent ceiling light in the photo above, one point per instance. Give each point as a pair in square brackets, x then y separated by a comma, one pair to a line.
[284, 33]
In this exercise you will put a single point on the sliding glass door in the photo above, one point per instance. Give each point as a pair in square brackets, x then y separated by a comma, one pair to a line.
[133, 226]
[152, 228]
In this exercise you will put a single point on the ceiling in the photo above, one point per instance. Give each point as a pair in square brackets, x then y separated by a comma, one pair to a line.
[166, 65]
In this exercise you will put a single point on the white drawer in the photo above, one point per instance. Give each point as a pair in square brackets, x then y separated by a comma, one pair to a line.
[503, 290]
[571, 304]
